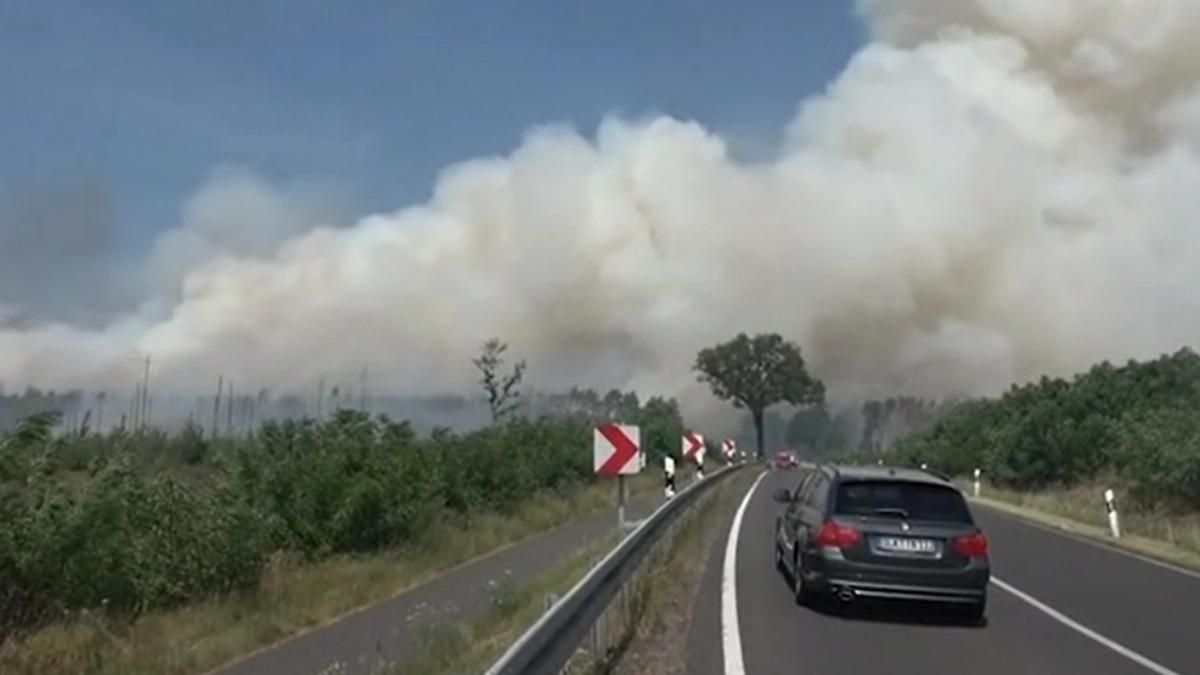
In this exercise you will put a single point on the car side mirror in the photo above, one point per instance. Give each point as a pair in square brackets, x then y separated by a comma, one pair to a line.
[783, 496]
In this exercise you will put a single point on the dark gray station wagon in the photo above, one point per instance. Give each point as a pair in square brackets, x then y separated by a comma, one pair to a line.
[882, 533]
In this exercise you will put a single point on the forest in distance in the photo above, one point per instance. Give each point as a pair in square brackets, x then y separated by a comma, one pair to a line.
[1134, 426]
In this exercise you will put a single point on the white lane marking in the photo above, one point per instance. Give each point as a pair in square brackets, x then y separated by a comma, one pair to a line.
[731, 637]
[1084, 630]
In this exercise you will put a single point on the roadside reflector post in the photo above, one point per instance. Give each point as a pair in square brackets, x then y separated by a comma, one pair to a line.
[669, 474]
[976, 482]
[1110, 504]
[617, 451]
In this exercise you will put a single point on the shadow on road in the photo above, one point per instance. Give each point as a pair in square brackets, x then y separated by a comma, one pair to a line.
[880, 611]
[887, 612]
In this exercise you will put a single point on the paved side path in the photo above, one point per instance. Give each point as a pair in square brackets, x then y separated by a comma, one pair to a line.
[391, 631]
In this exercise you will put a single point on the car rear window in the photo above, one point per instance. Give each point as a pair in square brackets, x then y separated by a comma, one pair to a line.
[920, 501]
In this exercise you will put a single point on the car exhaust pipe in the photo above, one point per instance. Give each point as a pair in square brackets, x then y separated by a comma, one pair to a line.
[846, 595]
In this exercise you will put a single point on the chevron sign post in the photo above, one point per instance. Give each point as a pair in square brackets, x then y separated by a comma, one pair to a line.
[729, 449]
[617, 451]
[693, 448]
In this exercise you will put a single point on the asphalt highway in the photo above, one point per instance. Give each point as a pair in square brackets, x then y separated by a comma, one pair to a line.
[1058, 605]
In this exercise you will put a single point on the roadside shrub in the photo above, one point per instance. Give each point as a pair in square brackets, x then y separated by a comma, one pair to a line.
[127, 522]
[1137, 422]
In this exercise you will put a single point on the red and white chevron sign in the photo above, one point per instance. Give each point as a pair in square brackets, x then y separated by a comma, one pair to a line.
[617, 450]
[693, 443]
[728, 448]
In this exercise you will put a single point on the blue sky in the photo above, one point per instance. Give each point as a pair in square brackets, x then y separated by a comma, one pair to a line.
[145, 97]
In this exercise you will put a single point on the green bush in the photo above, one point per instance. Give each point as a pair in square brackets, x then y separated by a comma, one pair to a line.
[1136, 422]
[132, 521]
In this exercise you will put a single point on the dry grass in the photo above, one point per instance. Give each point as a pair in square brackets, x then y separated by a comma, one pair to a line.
[471, 647]
[1172, 538]
[293, 597]
[666, 594]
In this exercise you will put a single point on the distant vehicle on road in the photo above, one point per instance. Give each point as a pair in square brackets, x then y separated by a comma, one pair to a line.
[786, 459]
[884, 534]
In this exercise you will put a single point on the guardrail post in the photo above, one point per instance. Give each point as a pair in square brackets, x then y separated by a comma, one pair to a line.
[597, 637]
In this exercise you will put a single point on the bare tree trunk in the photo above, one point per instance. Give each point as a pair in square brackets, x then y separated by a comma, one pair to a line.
[216, 426]
[320, 398]
[757, 414]
[229, 412]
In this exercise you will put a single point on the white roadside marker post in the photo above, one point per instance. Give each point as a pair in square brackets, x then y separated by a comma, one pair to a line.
[669, 473]
[976, 483]
[1110, 503]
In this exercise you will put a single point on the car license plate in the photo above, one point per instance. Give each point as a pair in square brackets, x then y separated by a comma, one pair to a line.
[906, 545]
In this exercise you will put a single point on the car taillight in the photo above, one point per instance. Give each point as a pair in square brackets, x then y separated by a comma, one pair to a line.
[833, 534]
[971, 546]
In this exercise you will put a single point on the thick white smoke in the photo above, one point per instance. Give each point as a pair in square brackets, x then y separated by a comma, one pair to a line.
[992, 189]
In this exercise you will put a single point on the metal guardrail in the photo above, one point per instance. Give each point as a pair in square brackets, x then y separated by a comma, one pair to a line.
[547, 647]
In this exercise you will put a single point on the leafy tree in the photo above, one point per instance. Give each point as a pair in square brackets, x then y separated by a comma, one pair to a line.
[837, 436]
[1134, 423]
[757, 372]
[501, 390]
[808, 427]
[191, 445]
[661, 427]
[774, 429]
[37, 429]
[873, 416]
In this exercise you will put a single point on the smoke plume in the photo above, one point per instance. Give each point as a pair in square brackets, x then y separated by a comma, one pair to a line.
[58, 244]
[991, 190]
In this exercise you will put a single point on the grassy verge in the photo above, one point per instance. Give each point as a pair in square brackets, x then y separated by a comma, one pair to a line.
[293, 597]
[1169, 538]
[663, 596]
[472, 646]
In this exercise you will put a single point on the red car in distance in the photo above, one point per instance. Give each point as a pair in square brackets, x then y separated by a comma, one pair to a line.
[786, 459]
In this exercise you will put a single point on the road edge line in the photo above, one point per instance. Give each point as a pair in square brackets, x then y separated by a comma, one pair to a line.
[731, 637]
[1083, 630]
